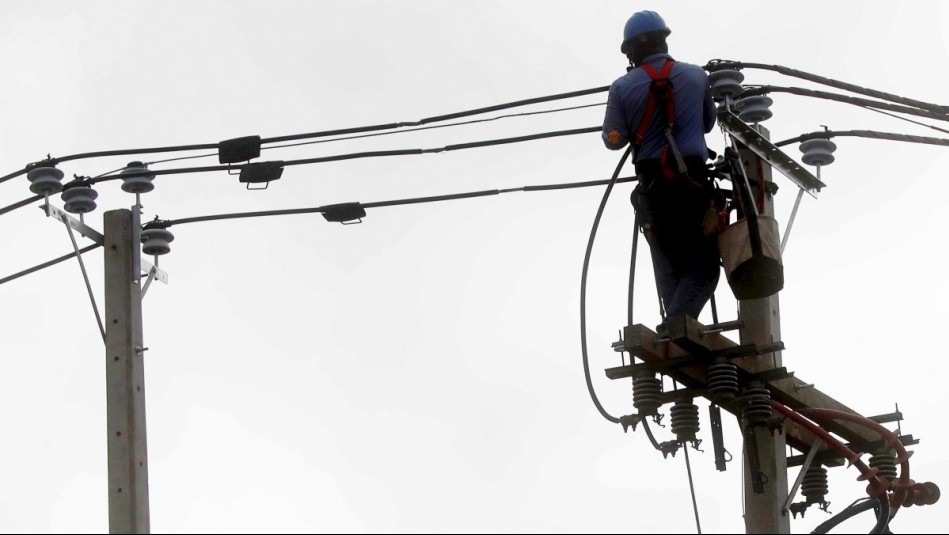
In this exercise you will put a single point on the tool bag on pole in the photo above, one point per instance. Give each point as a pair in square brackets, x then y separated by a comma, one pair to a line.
[750, 247]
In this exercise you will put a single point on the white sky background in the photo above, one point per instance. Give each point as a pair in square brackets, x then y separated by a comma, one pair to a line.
[421, 372]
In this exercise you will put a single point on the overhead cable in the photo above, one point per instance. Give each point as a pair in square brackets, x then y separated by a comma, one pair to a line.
[323, 209]
[208, 146]
[52, 262]
[870, 134]
[360, 155]
[335, 158]
[719, 64]
[863, 102]
[397, 202]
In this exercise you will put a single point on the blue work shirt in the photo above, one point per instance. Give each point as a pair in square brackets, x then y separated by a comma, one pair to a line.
[694, 109]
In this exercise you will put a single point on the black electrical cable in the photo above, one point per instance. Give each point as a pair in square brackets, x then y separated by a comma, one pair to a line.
[359, 155]
[718, 64]
[908, 120]
[397, 202]
[437, 118]
[25, 202]
[862, 102]
[339, 157]
[433, 127]
[45, 265]
[323, 209]
[395, 132]
[879, 506]
[583, 289]
[389, 126]
[869, 134]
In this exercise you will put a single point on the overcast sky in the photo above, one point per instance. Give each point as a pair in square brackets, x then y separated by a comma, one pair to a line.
[421, 372]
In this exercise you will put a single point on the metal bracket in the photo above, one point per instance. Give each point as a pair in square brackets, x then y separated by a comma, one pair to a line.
[767, 151]
[98, 238]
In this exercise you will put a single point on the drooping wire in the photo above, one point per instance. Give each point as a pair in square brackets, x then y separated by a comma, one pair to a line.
[325, 133]
[335, 158]
[367, 154]
[862, 102]
[323, 209]
[396, 202]
[394, 132]
[695, 505]
[908, 120]
[718, 64]
[50, 263]
[438, 118]
[869, 134]
[583, 289]
[433, 127]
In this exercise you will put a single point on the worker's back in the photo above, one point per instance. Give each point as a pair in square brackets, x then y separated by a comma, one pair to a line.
[694, 109]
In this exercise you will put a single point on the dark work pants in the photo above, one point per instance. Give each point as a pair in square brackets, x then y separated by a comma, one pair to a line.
[685, 261]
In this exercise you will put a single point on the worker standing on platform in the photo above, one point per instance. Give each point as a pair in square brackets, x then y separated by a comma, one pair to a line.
[664, 109]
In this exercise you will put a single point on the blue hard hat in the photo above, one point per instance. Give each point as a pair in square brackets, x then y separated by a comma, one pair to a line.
[640, 23]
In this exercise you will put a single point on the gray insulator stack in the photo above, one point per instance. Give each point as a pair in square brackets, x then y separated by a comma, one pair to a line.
[647, 394]
[685, 419]
[814, 486]
[722, 381]
[155, 241]
[757, 410]
[885, 461]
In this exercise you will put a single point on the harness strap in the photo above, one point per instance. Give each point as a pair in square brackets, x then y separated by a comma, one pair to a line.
[660, 94]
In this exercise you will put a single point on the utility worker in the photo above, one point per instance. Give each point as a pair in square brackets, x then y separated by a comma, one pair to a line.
[664, 109]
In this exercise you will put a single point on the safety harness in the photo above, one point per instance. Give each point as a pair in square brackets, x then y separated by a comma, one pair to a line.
[662, 98]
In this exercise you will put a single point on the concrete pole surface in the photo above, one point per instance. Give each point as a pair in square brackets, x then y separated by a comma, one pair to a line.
[125, 377]
[761, 320]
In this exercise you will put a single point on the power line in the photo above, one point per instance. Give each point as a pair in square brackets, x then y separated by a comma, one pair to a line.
[395, 132]
[907, 119]
[439, 118]
[368, 154]
[52, 262]
[396, 202]
[409, 130]
[339, 157]
[719, 64]
[862, 102]
[389, 126]
[870, 134]
[323, 209]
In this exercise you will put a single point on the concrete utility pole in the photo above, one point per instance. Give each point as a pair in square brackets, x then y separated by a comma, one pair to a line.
[761, 324]
[125, 376]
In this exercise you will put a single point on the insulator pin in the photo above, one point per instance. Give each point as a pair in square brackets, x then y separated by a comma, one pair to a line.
[155, 241]
[754, 109]
[725, 83]
[79, 198]
[818, 151]
[137, 184]
[45, 180]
